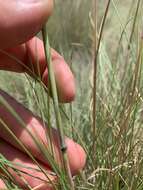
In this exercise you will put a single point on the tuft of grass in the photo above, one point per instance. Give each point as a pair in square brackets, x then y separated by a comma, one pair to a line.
[116, 163]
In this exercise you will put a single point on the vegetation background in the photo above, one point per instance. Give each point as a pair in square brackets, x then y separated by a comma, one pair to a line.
[114, 148]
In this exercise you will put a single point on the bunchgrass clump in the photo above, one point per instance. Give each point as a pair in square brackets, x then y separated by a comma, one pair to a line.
[103, 44]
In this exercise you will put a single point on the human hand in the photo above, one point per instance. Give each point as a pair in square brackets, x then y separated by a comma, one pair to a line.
[22, 20]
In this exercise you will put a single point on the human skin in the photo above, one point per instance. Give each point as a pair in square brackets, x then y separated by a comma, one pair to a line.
[17, 30]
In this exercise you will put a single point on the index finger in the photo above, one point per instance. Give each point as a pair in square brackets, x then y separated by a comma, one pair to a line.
[32, 58]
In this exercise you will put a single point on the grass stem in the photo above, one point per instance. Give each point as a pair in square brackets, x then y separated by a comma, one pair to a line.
[56, 107]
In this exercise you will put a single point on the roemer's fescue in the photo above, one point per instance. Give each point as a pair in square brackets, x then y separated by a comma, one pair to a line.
[52, 84]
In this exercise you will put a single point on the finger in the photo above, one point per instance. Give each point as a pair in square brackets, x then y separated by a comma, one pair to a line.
[2, 185]
[28, 55]
[76, 154]
[20, 20]
[64, 77]
[25, 171]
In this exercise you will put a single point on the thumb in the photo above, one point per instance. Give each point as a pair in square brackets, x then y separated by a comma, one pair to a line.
[22, 19]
